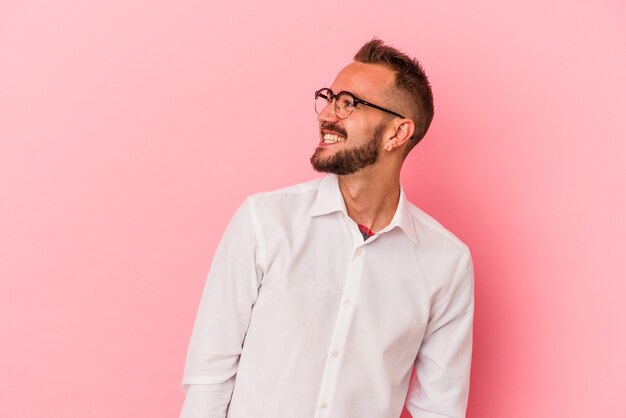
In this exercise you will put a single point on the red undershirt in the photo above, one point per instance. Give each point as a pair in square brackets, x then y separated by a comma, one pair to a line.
[365, 231]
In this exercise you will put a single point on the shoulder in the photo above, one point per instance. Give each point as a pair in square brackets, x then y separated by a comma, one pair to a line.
[288, 199]
[435, 236]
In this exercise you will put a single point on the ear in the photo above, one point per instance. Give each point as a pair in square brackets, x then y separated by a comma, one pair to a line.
[403, 130]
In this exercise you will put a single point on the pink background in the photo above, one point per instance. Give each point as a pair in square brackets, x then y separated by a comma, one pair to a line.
[131, 130]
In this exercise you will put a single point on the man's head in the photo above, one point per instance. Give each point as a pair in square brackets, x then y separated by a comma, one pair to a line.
[411, 87]
[381, 102]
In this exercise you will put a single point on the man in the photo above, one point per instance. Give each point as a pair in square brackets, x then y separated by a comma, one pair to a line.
[323, 297]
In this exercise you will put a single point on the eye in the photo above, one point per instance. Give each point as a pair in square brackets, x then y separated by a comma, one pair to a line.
[346, 102]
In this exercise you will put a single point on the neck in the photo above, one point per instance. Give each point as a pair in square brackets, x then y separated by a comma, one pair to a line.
[371, 196]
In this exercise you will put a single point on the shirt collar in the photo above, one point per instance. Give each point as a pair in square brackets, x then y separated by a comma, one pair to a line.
[329, 200]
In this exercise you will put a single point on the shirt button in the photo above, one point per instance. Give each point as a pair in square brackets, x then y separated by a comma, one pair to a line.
[335, 353]
[324, 405]
[347, 302]
[358, 251]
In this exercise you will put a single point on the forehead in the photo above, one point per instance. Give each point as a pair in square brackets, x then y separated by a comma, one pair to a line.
[367, 81]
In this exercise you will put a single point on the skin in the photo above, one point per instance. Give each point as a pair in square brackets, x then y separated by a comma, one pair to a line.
[371, 194]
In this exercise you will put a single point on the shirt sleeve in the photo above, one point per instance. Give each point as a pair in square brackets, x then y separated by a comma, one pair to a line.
[222, 320]
[441, 385]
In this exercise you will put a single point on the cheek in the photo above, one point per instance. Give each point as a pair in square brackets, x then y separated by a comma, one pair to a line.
[362, 134]
[357, 131]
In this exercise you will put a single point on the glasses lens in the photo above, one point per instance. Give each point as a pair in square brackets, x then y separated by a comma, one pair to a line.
[344, 105]
[322, 98]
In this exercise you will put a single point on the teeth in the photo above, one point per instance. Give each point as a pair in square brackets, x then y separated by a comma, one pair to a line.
[332, 138]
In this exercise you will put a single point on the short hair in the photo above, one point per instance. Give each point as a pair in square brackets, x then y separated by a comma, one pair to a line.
[410, 79]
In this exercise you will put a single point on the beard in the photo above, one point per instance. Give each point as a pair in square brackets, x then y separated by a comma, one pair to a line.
[349, 161]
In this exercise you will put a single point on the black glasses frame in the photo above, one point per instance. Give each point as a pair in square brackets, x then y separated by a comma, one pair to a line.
[357, 101]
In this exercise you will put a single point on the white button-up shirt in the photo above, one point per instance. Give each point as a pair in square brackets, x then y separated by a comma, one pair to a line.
[302, 318]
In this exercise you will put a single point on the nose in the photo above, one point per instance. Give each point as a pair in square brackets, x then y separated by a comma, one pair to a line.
[327, 114]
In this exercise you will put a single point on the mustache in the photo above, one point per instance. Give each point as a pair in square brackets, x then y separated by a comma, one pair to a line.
[329, 126]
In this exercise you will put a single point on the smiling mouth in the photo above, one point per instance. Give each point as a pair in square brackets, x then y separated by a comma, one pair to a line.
[332, 138]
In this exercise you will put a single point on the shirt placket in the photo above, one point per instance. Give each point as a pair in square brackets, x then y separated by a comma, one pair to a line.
[336, 350]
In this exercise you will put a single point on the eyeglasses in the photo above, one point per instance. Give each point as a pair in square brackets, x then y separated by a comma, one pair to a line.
[345, 102]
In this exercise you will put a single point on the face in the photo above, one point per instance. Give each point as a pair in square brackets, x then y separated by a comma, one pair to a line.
[351, 144]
